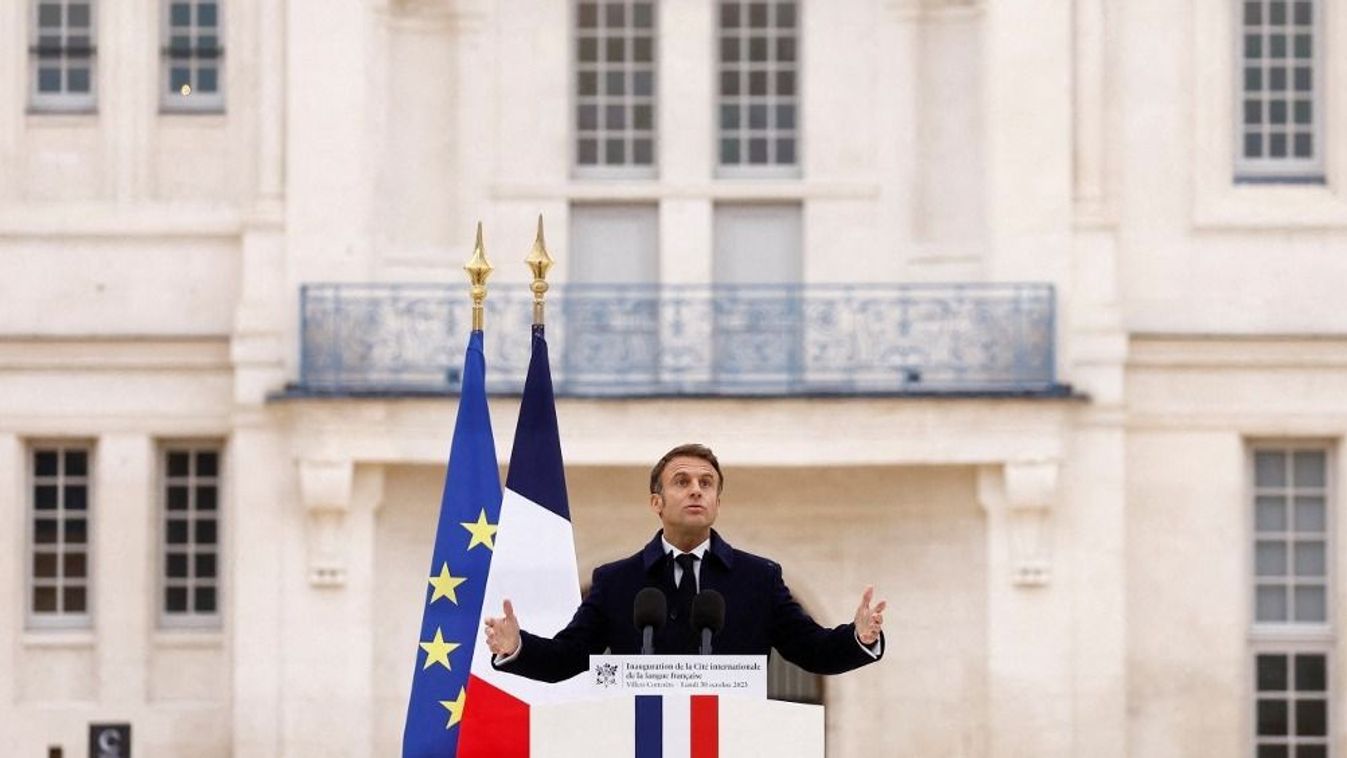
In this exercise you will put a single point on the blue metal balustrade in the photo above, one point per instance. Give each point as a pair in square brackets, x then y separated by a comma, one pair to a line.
[633, 340]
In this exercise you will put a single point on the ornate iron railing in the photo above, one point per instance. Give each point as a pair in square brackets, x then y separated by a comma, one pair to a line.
[633, 340]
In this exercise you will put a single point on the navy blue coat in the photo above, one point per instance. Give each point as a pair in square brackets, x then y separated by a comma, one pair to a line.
[760, 614]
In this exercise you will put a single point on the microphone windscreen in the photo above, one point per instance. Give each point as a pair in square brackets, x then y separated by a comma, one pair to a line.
[708, 611]
[650, 609]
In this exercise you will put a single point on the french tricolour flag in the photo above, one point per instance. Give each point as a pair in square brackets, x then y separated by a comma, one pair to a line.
[534, 566]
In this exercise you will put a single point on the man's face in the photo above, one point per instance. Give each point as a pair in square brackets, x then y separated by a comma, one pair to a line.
[690, 500]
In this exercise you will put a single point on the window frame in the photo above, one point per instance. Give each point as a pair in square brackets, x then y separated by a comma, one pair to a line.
[196, 102]
[747, 170]
[1291, 637]
[59, 620]
[1287, 170]
[63, 101]
[189, 619]
[627, 169]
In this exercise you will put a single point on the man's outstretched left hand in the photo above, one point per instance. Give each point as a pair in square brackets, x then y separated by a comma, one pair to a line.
[869, 619]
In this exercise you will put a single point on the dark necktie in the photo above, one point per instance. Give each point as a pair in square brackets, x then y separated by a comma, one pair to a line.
[687, 586]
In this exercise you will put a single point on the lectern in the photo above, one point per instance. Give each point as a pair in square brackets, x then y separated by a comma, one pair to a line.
[676, 706]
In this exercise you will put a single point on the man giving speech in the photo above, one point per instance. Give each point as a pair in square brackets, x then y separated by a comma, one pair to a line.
[686, 557]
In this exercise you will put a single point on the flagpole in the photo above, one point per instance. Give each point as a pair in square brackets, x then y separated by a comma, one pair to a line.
[478, 270]
[539, 263]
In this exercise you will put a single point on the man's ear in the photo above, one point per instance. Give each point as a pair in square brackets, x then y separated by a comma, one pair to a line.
[656, 503]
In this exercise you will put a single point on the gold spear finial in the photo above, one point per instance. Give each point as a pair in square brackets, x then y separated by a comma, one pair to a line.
[478, 270]
[539, 263]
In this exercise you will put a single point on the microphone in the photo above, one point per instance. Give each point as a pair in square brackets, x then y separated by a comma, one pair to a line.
[648, 613]
[708, 616]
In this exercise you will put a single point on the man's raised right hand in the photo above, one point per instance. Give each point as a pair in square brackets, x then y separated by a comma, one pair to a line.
[502, 634]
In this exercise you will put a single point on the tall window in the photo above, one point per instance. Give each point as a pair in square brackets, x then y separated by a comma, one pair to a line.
[61, 53]
[615, 88]
[191, 77]
[1292, 634]
[1279, 118]
[58, 554]
[191, 536]
[758, 85]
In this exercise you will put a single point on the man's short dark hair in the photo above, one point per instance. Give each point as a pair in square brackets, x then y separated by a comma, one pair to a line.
[690, 450]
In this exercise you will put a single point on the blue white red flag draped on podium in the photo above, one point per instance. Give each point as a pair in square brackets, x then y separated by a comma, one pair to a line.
[534, 566]
[456, 580]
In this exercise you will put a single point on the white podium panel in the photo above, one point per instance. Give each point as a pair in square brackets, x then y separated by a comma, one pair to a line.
[676, 726]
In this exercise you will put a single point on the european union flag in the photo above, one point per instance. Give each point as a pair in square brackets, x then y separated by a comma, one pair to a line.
[456, 581]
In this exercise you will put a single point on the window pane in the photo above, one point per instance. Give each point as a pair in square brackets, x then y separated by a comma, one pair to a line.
[76, 463]
[44, 599]
[1274, 751]
[587, 83]
[1271, 603]
[643, 117]
[1272, 718]
[175, 599]
[1269, 468]
[643, 83]
[588, 152]
[205, 566]
[729, 15]
[177, 498]
[177, 532]
[76, 497]
[74, 600]
[785, 151]
[757, 117]
[643, 15]
[1304, 146]
[1311, 718]
[44, 497]
[205, 600]
[757, 151]
[1311, 673]
[643, 50]
[729, 151]
[208, 463]
[205, 532]
[44, 531]
[176, 566]
[1253, 146]
[1304, 110]
[1272, 671]
[75, 565]
[206, 498]
[44, 463]
[76, 531]
[1312, 751]
[1253, 79]
[44, 565]
[49, 14]
[1304, 14]
[77, 80]
[588, 15]
[1311, 604]
[1253, 12]
[1276, 146]
[1270, 558]
[1310, 559]
[207, 79]
[179, 464]
[207, 14]
[180, 14]
[643, 152]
